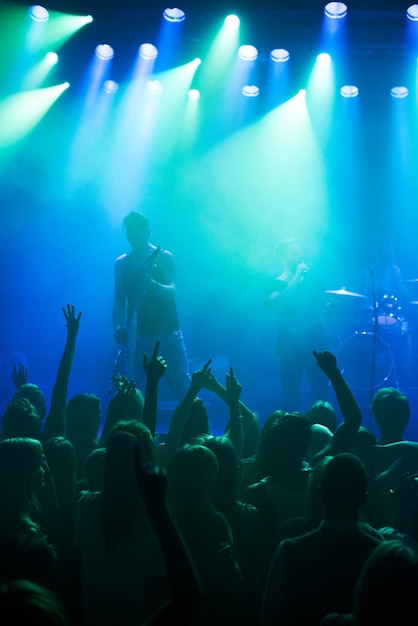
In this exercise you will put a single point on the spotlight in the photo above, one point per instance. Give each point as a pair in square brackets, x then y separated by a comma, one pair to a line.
[412, 13]
[399, 92]
[51, 58]
[232, 22]
[250, 91]
[148, 51]
[38, 13]
[247, 53]
[110, 86]
[279, 55]
[323, 58]
[335, 10]
[194, 94]
[174, 15]
[154, 87]
[349, 91]
[104, 52]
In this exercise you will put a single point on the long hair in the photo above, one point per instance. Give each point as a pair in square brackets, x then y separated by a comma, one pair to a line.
[20, 467]
[122, 506]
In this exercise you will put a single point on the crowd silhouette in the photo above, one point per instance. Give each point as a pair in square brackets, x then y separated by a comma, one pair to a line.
[300, 519]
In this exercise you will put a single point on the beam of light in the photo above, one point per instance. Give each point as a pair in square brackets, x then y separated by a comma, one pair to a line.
[262, 174]
[38, 13]
[174, 15]
[219, 58]
[21, 112]
[54, 33]
[38, 73]
[170, 38]
[320, 94]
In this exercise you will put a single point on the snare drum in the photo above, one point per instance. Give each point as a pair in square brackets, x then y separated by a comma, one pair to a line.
[389, 311]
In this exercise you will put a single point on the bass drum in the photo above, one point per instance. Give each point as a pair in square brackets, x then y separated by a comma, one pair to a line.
[355, 360]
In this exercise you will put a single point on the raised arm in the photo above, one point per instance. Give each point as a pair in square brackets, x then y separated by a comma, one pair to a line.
[155, 369]
[182, 412]
[55, 421]
[184, 583]
[343, 438]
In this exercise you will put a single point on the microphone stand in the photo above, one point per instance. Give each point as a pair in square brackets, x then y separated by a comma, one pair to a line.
[374, 344]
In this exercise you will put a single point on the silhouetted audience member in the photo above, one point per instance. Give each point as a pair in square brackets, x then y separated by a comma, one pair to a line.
[25, 552]
[391, 411]
[315, 574]
[123, 573]
[322, 412]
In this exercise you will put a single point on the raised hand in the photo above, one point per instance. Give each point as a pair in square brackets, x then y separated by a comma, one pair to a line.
[233, 387]
[155, 367]
[201, 377]
[19, 375]
[326, 361]
[73, 320]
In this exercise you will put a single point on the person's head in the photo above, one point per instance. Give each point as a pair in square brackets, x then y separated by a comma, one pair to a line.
[21, 419]
[284, 445]
[313, 497]
[191, 475]
[61, 459]
[289, 252]
[83, 418]
[391, 412]
[121, 501]
[26, 602]
[386, 593]
[137, 229]
[197, 424]
[94, 469]
[122, 410]
[35, 396]
[225, 488]
[343, 487]
[22, 475]
[322, 412]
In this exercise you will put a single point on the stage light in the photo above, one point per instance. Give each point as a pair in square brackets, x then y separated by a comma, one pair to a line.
[335, 10]
[155, 87]
[110, 86]
[104, 52]
[323, 58]
[148, 51]
[38, 13]
[247, 53]
[194, 94]
[232, 22]
[349, 91]
[174, 15]
[51, 58]
[399, 92]
[279, 55]
[412, 13]
[250, 91]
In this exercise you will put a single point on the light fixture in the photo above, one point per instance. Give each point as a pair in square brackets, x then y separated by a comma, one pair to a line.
[51, 58]
[155, 87]
[148, 51]
[247, 53]
[399, 92]
[194, 94]
[38, 13]
[110, 86]
[174, 15]
[412, 13]
[323, 58]
[279, 55]
[232, 22]
[104, 52]
[335, 10]
[349, 91]
[250, 91]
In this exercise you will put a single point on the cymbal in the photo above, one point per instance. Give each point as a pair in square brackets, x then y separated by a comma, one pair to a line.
[414, 302]
[411, 280]
[344, 292]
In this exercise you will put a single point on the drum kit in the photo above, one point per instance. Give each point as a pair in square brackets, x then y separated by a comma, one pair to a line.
[374, 345]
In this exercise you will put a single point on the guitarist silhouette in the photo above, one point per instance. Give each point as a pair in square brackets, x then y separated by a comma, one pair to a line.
[144, 308]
